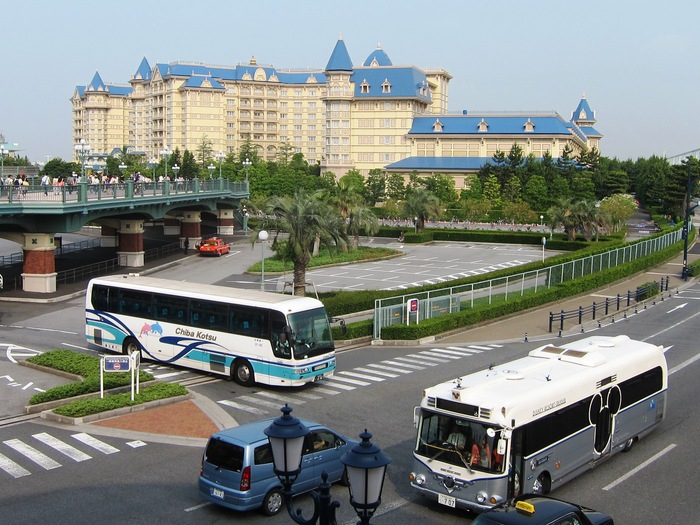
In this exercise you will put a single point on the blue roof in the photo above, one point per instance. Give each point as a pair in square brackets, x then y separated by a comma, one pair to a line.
[96, 84]
[198, 82]
[403, 82]
[590, 131]
[340, 59]
[583, 111]
[144, 71]
[497, 124]
[233, 73]
[379, 57]
[440, 163]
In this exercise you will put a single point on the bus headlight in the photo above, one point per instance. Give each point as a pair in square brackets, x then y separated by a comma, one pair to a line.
[481, 497]
[418, 479]
[300, 371]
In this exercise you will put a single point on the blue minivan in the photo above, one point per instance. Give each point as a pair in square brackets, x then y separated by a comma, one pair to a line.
[237, 470]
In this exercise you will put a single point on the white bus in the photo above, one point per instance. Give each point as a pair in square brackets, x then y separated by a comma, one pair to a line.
[251, 336]
[533, 424]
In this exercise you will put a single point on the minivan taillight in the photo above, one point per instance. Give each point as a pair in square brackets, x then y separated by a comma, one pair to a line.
[245, 479]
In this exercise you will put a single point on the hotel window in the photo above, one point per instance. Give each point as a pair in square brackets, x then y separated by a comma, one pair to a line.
[312, 93]
[386, 87]
[312, 116]
[283, 104]
[297, 127]
[297, 116]
[312, 150]
[297, 138]
[297, 93]
[312, 139]
[312, 104]
[283, 116]
[364, 87]
[283, 93]
[312, 127]
[283, 127]
[297, 104]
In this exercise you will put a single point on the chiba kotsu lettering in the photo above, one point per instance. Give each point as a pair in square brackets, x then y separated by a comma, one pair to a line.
[198, 334]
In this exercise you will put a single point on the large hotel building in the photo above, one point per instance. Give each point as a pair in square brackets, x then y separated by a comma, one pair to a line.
[342, 117]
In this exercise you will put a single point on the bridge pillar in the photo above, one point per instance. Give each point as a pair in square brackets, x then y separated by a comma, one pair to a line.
[108, 238]
[191, 228]
[171, 226]
[225, 226]
[131, 243]
[39, 270]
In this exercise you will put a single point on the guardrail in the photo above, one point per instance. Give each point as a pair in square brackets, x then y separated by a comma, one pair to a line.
[640, 293]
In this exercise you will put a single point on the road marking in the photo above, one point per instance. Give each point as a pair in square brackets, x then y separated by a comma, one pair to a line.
[682, 305]
[337, 377]
[62, 447]
[277, 397]
[449, 353]
[245, 408]
[32, 454]
[256, 401]
[95, 443]
[416, 357]
[361, 376]
[12, 468]
[371, 371]
[639, 467]
[324, 390]
[434, 354]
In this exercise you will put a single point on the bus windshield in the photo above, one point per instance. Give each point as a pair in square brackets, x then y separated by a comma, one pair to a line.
[459, 441]
[311, 333]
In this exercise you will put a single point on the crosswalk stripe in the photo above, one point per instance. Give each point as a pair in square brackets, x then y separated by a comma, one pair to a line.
[361, 376]
[411, 358]
[245, 408]
[485, 348]
[433, 355]
[338, 377]
[171, 374]
[282, 399]
[429, 362]
[33, 454]
[62, 447]
[469, 350]
[324, 390]
[306, 395]
[448, 353]
[12, 468]
[399, 368]
[95, 443]
[371, 371]
[258, 401]
[333, 384]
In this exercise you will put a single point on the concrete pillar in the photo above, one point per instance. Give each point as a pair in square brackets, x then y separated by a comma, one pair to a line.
[171, 226]
[225, 226]
[108, 237]
[191, 228]
[39, 270]
[131, 243]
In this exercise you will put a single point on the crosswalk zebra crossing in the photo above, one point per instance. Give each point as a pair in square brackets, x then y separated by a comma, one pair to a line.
[460, 275]
[47, 452]
[264, 403]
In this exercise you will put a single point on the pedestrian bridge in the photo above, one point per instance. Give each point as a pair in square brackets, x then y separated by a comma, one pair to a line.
[32, 215]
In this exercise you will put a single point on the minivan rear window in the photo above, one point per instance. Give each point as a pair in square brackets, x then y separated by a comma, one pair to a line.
[224, 455]
[263, 454]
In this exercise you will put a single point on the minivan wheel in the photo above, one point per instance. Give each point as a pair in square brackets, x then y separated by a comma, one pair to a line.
[243, 373]
[272, 503]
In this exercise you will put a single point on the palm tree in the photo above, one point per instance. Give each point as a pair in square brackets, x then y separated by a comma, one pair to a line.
[422, 205]
[361, 219]
[305, 217]
[563, 214]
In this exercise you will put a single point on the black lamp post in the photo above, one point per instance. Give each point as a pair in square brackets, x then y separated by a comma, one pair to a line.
[686, 221]
[365, 466]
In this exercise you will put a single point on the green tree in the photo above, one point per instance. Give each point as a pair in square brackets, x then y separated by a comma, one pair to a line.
[395, 187]
[563, 214]
[361, 220]
[376, 186]
[443, 187]
[616, 210]
[189, 168]
[305, 218]
[421, 205]
[205, 152]
[476, 210]
[535, 192]
[492, 190]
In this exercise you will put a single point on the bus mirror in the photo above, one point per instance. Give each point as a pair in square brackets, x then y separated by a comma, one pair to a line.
[416, 412]
[490, 432]
[501, 448]
[287, 331]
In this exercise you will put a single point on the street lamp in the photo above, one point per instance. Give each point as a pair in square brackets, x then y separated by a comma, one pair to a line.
[247, 164]
[122, 167]
[262, 236]
[176, 170]
[541, 223]
[82, 150]
[220, 156]
[165, 153]
[687, 222]
[4, 152]
[365, 466]
[245, 220]
[152, 163]
[211, 169]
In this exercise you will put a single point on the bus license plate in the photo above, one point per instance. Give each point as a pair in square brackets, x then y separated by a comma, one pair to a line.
[446, 500]
[319, 377]
[218, 493]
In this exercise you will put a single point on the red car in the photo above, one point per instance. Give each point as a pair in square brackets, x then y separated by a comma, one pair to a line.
[214, 246]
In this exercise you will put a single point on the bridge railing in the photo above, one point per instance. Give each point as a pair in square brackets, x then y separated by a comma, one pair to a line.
[83, 192]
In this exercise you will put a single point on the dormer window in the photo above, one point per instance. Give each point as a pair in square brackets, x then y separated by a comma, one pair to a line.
[483, 127]
[529, 126]
[386, 86]
[364, 87]
[437, 127]
[582, 115]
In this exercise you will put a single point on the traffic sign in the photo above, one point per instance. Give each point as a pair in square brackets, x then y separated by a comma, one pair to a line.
[117, 363]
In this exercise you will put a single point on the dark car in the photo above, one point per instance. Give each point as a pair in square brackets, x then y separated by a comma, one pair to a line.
[532, 509]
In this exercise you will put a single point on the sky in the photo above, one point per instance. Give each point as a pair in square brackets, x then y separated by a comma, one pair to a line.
[635, 61]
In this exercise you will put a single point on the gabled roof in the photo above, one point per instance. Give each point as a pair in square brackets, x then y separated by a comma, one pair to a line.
[377, 58]
[583, 111]
[440, 163]
[340, 59]
[205, 82]
[497, 124]
[96, 85]
[404, 81]
[144, 71]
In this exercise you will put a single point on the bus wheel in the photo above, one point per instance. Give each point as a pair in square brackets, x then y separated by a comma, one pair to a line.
[628, 445]
[130, 346]
[272, 503]
[243, 373]
[543, 484]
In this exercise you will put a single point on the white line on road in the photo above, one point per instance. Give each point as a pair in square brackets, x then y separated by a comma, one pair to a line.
[62, 447]
[639, 467]
[245, 408]
[33, 454]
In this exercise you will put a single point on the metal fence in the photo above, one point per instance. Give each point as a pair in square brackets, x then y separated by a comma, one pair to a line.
[417, 307]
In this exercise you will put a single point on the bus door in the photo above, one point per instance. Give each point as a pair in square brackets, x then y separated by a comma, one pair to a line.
[516, 464]
[602, 411]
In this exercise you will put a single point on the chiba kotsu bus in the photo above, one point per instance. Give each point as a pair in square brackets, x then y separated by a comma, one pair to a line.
[532, 424]
[251, 336]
